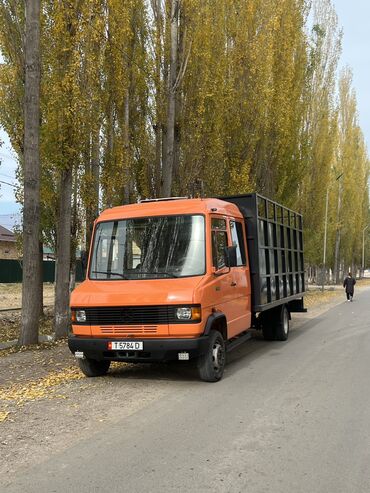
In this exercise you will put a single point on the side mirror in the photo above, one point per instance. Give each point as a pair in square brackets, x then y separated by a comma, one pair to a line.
[230, 256]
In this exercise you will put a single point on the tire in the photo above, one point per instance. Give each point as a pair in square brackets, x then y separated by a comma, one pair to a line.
[282, 326]
[93, 367]
[211, 364]
[275, 324]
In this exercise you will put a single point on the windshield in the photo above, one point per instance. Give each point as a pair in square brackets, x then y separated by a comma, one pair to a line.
[149, 248]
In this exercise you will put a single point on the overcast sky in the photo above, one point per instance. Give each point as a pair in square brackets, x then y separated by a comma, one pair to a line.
[354, 16]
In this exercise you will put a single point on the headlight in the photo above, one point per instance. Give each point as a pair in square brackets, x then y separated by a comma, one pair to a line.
[80, 316]
[188, 313]
[183, 313]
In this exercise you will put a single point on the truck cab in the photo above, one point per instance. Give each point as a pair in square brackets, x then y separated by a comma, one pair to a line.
[166, 280]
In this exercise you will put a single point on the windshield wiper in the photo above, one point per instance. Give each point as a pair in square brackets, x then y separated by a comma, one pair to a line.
[108, 273]
[169, 274]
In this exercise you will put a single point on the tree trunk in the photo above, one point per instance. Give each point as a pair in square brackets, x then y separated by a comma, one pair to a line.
[92, 210]
[126, 145]
[31, 207]
[337, 238]
[336, 257]
[109, 149]
[95, 170]
[158, 160]
[41, 278]
[74, 232]
[61, 315]
[158, 14]
[181, 59]
[167, 171]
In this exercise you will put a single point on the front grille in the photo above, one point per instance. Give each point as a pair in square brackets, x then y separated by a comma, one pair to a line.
[128, 315]
[128, 330]
[139, 316]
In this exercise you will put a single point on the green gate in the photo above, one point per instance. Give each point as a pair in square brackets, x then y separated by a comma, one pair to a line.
[11, 271]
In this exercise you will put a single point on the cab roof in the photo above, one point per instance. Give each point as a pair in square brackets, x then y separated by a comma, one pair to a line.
[171, 207]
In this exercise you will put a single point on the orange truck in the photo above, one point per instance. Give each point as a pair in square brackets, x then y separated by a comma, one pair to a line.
[187, 279]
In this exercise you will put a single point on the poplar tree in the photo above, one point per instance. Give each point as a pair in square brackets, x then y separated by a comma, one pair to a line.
[31, 171]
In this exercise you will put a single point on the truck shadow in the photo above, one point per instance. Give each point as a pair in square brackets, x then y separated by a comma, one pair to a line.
[179, 371]
[258, 346]
[171, 371]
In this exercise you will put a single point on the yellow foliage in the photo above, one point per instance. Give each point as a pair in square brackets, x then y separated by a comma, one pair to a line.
[3, 416]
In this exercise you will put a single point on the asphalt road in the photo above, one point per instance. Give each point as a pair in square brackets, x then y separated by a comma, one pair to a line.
[287, 417]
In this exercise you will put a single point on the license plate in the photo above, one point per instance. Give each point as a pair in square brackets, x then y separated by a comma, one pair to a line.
[126, 345]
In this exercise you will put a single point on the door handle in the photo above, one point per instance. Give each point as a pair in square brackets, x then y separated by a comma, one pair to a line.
[233, 283]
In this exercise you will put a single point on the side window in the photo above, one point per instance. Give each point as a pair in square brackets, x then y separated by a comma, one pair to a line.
[236, 229]
[219, 242]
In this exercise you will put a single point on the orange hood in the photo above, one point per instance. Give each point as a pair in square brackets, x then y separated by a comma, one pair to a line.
[135, 292]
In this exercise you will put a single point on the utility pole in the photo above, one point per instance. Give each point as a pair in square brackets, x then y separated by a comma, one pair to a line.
[363, 249]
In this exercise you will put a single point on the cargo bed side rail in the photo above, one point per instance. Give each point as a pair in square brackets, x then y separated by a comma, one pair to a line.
[275, 248]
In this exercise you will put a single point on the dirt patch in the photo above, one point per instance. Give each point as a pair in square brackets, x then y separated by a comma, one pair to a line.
[42, 416]
[10, 325]
[11, 295]
[10, 321]
[315, 297]
[32, 364]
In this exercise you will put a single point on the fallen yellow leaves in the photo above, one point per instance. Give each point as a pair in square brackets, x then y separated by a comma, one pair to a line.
[42, 388]
[3, 415]
[314, 298]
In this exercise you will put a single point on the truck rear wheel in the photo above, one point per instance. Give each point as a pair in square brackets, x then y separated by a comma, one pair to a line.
[94, 368]
[211, 364]
[275, 324]
[282, 325]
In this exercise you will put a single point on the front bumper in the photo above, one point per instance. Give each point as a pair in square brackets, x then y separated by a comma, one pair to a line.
[154, 349]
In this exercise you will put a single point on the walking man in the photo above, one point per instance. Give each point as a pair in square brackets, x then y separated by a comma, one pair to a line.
[349, 285]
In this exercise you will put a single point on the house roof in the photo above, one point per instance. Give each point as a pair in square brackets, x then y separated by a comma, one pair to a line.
[6, 235]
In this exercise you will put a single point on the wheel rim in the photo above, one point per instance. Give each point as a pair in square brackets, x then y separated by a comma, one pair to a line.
[218, 356]
[285, 322]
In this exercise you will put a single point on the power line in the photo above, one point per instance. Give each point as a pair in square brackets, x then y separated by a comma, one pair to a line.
[7, 176]
[10, 184]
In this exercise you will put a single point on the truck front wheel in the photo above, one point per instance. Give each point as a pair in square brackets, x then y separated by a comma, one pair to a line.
[94, 368]
[211, 364]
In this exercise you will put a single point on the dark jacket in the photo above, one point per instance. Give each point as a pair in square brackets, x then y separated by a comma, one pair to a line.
[349, 284]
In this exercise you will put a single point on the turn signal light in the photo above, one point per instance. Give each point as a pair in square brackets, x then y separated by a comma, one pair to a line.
[196, 313]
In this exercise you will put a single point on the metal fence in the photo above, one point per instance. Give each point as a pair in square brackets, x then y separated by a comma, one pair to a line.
[11, 271]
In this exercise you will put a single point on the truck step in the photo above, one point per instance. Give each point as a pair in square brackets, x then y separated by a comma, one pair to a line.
[233, 343]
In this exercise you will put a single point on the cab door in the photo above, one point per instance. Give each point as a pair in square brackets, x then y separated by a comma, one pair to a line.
[240, 280]
[229, 285]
